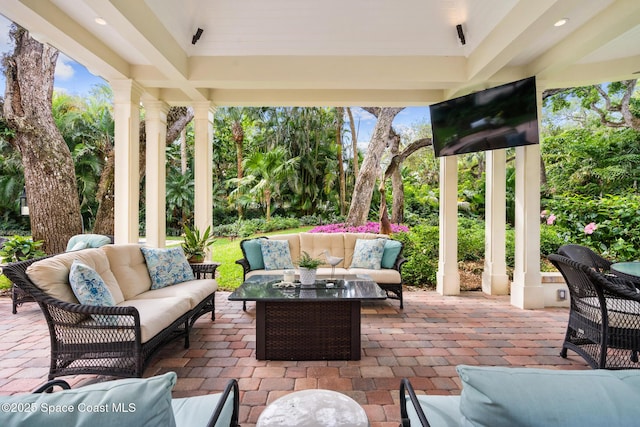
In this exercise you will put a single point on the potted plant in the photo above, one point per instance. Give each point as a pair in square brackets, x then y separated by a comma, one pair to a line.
[308, 266]
[20, 248]
[196, 244]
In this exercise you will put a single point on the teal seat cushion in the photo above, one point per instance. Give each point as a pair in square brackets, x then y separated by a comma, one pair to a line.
[253, 253]
[127, 402]
[441, 411]
[367, 253]
[276, 254]
[167, 266]
[528, 397]
[198, 410]
[390, 253]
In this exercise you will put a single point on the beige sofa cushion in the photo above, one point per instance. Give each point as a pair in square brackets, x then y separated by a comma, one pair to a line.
[384, 275]
[315, 243]
[194, 290]
[294, 245]
[129, 268]
[52, 274]
[157, 313]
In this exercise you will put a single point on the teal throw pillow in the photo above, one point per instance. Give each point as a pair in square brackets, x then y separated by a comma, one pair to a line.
[276, 254]
[528, 397]
[391, 251]
[253, 253]
[90, 289]
[368, 253]
[167, 266]
[126, 402]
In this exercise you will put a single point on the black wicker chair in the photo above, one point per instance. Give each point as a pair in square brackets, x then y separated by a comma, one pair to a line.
[585, 255]
[604, 319]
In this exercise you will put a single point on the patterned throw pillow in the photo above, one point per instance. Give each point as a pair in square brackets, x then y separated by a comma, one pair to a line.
[90, 289]
[276, 254]
[167, 266]
[368, 253]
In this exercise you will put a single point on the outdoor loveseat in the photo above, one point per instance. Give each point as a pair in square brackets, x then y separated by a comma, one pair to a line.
[386, 271]
[127, 402]
[154, 300]
[528, 397]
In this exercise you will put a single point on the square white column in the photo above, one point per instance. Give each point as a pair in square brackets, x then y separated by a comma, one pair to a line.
[448, 277]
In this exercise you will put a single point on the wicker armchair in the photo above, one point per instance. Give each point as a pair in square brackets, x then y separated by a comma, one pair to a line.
[586, 256]
[604, 319]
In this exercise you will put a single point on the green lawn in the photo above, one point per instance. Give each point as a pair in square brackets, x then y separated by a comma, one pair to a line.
[227, 251]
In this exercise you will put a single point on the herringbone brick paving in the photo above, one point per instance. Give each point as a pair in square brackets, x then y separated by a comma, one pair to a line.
[423, 342]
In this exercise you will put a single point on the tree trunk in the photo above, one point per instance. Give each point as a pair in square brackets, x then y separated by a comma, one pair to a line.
[397, 188]
[341, 177]
[177, 119]
[365, 183]
[49, 172]
[354, 142]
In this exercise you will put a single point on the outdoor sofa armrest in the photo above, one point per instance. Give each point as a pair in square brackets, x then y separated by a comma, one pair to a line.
[407, 389]
[245, 266]
[49, 385]
[231, 393]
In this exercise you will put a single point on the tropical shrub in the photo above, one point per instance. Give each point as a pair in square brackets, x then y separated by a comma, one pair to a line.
[609, 224]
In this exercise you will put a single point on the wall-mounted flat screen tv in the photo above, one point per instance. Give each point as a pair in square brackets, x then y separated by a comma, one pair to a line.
[501, 117]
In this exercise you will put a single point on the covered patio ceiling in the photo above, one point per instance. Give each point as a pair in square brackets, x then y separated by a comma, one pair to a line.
[336, 52]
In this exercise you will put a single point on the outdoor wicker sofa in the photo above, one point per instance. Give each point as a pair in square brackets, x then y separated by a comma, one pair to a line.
[125, 402]
[388, 275]
[114, 340]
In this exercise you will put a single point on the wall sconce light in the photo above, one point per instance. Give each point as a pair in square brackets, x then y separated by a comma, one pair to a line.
[24, 207]
[461, 34]
[197, 36]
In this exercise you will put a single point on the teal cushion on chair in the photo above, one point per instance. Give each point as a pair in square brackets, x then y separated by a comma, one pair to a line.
[530, 397]
[390, 253]
[253, 253]
[127, 402]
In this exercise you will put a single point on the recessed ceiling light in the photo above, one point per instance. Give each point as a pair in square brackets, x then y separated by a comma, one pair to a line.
[561, 22]
[100, 21]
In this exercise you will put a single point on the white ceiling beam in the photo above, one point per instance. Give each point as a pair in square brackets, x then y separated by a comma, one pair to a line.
[618, 18]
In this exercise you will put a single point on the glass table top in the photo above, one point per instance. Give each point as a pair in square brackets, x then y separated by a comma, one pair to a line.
[631, 268]
[272, 288]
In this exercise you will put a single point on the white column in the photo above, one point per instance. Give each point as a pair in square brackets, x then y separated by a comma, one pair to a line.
[126, 116]
[494, 277]
[448, 277]
[203, 165]
[155, 182]
[526, 289]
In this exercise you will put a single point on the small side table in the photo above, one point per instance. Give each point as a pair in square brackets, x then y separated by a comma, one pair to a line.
[204, 270]
[313, 408]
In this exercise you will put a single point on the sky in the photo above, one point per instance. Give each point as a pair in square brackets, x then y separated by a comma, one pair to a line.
[75, 79]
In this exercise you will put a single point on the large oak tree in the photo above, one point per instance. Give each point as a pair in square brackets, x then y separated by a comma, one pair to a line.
[49, 172]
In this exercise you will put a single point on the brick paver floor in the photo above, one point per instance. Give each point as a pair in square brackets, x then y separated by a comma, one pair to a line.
[423, 342]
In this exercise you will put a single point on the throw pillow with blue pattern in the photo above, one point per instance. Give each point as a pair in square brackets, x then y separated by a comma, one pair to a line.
[167, 266]
[368, 253]
[90, 289]
[276, 254]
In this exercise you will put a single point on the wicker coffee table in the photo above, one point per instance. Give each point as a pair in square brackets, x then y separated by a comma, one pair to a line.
[308, 322]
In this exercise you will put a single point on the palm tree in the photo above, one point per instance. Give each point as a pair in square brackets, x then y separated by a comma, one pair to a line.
[266, 174]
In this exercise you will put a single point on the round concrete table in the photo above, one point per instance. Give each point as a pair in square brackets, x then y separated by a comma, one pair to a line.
[313, 408]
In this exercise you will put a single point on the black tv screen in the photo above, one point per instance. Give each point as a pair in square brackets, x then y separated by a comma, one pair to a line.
[501, 117]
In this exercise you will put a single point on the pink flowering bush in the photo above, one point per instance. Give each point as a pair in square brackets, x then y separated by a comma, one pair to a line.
[590, 228]
[370, 227]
